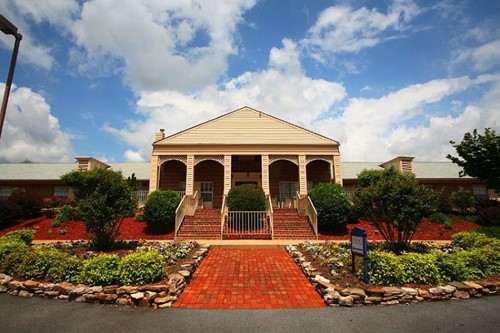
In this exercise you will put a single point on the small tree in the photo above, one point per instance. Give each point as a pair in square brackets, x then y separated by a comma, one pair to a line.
[463, 200]
[247, 197]
[479, 156]
[394, 202]
[332, 204]
[104, 199]
[159, 210]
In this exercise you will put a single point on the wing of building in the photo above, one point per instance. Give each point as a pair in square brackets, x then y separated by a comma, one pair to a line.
[245, 146]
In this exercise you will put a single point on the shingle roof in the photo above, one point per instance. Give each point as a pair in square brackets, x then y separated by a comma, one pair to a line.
[350, 170]
[53, 171]
[423, 170]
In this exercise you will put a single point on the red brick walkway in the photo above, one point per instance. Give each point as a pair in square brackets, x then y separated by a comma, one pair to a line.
[248, 279]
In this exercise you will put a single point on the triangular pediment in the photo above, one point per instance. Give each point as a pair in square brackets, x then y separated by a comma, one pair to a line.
[246, 126]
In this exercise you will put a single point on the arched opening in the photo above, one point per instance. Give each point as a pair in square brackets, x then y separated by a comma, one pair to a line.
[283, 182]
[318, 171]
[173, 176]
[209, 182]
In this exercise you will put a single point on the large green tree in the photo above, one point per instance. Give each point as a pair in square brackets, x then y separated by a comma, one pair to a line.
[479, 156]
[394, 202]
[104, 199]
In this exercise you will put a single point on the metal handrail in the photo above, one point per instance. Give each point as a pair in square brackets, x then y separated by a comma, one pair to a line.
[246, 224]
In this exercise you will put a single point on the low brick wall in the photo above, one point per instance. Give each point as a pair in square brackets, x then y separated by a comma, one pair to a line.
[335, 295]
[151, 295]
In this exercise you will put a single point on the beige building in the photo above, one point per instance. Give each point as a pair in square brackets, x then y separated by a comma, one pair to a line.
[245, 146]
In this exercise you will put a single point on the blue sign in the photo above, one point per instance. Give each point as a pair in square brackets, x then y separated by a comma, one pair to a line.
[359, 247]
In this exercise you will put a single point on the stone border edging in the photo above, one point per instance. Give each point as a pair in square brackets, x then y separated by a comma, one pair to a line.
[150, 295]
[335, 295]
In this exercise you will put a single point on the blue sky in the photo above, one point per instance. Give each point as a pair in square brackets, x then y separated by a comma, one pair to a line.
[385, 78]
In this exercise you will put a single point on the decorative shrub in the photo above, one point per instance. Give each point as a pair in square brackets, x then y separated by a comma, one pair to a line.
[69, 269]
[246, 197]
[101, 270]
[159, 210]
[8, 247]
[141, 268]
[385, 268]
[441, 218]
[463, 200]
[420, 268]
[67, 213]
[453, 267]
[20, 205]
[104, 199]
[395, 203]
[332, 205]
[11, 263]
[38, 261]
[22, 235]
[488, 213]
[469, 240]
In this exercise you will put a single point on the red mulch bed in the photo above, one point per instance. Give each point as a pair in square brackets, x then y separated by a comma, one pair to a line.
[426, 230]
[130, 229]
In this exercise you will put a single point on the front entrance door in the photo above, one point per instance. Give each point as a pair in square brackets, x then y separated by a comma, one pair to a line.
[207, 194]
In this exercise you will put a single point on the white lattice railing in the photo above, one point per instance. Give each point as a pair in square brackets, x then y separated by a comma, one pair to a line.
[141, 196]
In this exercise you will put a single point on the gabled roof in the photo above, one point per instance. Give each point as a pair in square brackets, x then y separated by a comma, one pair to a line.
[247, 126]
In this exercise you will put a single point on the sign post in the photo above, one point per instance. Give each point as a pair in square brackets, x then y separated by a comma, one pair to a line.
[359, 247]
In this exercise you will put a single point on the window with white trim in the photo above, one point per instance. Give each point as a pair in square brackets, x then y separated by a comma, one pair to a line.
[207, 190]
[61, 192]
[5, 192]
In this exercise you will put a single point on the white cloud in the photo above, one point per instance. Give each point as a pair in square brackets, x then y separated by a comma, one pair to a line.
[402, 123]
[24, 14]
[157, 44]
[30, 130]
[342, 29]
[282, 90]
[484, 57]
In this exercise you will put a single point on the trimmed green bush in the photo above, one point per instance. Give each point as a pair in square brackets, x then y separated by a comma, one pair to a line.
[385, 268]
[246, 197]
[38, 261]
[101, 270]
[491, 231]
[141, 268]
[12, 261]
[159, 210]
[453, 267]
[463, 200]
[332, 204]
[69, 269]
[469, 240]
[420, 268]
[22, 235]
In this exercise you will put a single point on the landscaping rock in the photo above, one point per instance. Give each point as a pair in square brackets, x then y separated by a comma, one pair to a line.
[4, 279]
[31, 285]
[346, 301]
[127, 290]
[137, 296]
[64, 287]
[461, 286]
[154, 287]
[410, 291]
[3, 288]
